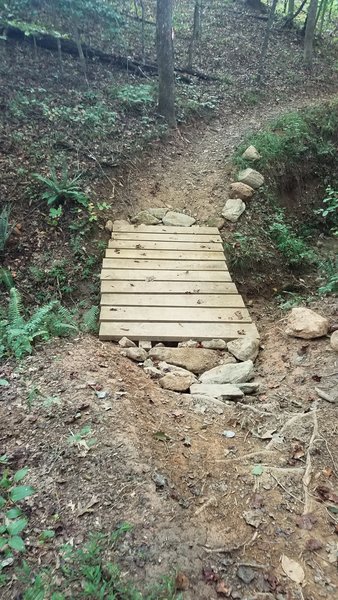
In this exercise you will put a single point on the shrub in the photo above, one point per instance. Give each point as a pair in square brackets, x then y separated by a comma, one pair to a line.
[61, 189]
[17, 335]
[135, 96]
[330, 210]
[294, 249]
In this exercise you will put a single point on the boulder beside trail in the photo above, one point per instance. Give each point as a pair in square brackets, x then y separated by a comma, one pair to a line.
[145, 218]
[244, 348]
[136, 354]
[225, 391]
[251, 153]
[177, 381]
[196, 360]
[241, 190]
[334, 341]
[306, 323]
[251, 177]
[177, 219]
[229, 373]
[233, 209]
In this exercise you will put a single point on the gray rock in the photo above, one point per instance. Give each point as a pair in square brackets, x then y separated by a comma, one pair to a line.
[241, 190]
[334, 341]
[305, 323]
[145, 218]
[233, 209]
[109, 226]
[215, 222]
[165, 367]
[159, 213]
[136, 354]
[249, 388]
[246, 574]
[224, 391]
[251, 177]
[244, 348]
[251, 153]
[145, 344]
[214, 344]
[204, 399]
[153, 372]
[196, 360]
[177, 381]
[188, 344]
[178, 219]
[126, 343]
[229, 373]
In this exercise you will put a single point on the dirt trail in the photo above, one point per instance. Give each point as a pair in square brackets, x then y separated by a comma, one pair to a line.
[191, 173]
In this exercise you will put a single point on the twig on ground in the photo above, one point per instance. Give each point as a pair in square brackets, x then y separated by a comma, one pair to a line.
[289, 422]
[308, 463]
[325, 396]
[286, 490]
[232, 548]
[252, 454]
[211, 501]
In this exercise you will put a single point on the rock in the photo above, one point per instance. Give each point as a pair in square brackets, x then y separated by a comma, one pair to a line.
[158, 212]
[145, 344]
[334, 341]
[244, 348]
[153, 372]
[121, 224]
[253, 517]
[188, 344]
[246, 574]
[136, 354]
[165, 367]
[225, 391]
[215, 222]
[305, 323]
[251, 153]
[109, 226]
[178, 219]
[233, 209]
[203, 398]
[251, 178]
[229, 373]
[249, 388]
[126, 343]
[159, 480]
[241, 190]
[196, 360]
[214, 344]
[145, 218]
[177, 381]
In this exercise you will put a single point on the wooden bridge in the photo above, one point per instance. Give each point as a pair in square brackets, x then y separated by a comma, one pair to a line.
[169, 284]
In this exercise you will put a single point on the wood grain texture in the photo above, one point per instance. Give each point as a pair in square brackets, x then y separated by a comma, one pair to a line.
[167, 287]
[175, 332]
[188, 300]
[163, 314]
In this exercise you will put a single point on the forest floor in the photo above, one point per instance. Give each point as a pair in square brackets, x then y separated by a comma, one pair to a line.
[200, 508]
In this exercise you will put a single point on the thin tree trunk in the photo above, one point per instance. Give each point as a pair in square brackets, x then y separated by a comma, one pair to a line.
[196, 32]
[321, 14]
[330, 10]
[292, 17]
[291, 7]
[60, 53]
[143, 31]
[80, 52]
[310, 33]
[35, 48]
[165, 60]
[266, 41]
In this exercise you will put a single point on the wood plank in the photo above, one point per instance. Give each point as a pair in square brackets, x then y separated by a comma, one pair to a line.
[174, 245]
[168, 237]
[167, 287]
[163, 314]
[198, 300]
[170, 265]
[148, 275]
[129, 228]
[164, 254]
[175, 332]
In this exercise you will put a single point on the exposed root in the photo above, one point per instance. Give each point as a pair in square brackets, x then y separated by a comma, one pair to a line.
[308, 503]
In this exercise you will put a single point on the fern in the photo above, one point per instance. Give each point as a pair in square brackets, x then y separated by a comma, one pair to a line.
[90, 320]
[6, 278]
[17, 335]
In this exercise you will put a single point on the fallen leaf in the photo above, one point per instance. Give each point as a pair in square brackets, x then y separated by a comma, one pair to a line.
[181, 582]
[306, 521]
[332, 551]
[257, 501]
[326, 495]
[316, 378]
[257, 470]
[327, 472]
[210, 575]
[312, 545]
[333, 508]
[161, 436]
[293, 569]
[222, 589]
[297, 450]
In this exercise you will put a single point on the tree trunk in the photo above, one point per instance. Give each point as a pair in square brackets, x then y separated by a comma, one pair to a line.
[165, 60]
[322, 11]
[266, 41]
[196, 32]
[310, 33]
[291, 7]
[143, 31]
[59, 53]
[80, 52]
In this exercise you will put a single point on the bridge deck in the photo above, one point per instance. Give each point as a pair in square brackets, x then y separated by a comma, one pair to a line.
[169, 284]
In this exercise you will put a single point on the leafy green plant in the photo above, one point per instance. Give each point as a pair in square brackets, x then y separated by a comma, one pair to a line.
[5, 229]
[90, 320]
[12, 520]
[60, 189]
[81, 438]
[6, 278]
[246, 253]
[135, 96]
[17, 335]
[330, 211]
[294, 249]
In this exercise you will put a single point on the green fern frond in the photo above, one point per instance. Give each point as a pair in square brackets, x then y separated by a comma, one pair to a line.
[90, 320]
[39, 318]
[6, 278]
[15, 309]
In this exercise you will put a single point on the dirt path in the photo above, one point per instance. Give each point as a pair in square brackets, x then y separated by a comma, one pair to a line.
[191, 173]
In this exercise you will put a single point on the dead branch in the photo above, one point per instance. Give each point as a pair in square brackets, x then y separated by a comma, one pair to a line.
[308, 463]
